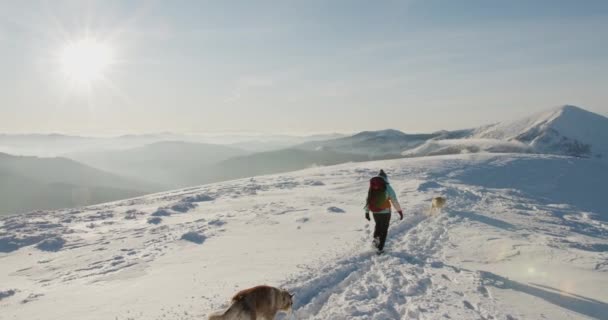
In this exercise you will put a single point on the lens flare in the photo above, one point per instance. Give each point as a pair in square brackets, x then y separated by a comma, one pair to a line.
[86, 60]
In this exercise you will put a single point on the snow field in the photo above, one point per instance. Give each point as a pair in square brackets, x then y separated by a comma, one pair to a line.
[521, 237]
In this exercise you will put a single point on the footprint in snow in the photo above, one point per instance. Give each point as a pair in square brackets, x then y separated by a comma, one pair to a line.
[155, 220]
[335, 210]
[183, 206]
[7, 293]
[303, 220]
[132, 214]
[198, 198]
[193, 236]
[161, 212]
[484, 291]
[31, 297]
[216, 222]
[468, 305]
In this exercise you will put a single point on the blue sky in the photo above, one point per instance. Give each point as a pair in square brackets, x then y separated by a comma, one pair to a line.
[301, 66]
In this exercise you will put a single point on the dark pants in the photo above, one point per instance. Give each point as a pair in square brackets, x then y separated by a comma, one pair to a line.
[381, 230]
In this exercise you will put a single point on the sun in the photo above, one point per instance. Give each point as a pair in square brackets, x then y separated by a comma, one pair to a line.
[86, 60]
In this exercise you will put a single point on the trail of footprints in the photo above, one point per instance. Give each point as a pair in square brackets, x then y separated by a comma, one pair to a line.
[409, 281]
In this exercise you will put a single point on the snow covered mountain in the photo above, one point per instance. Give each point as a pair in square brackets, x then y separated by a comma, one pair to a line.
[567, 130]
[522, 237]
[379, 144]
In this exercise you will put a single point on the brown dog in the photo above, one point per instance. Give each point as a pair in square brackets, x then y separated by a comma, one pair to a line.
[261, 302]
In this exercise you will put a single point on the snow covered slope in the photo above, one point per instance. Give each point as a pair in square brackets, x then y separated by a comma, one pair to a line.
[458, 146]
[567, 130]
[375, 143]
[522, 237]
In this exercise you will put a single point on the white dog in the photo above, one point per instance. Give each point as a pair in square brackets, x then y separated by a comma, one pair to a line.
[437, 204]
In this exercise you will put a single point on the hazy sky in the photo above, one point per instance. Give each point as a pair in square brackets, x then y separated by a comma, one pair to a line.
[300, 66]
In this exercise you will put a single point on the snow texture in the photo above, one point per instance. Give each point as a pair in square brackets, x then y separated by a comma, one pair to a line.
[523, 236]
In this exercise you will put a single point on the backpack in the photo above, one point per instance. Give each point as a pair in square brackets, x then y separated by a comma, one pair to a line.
[377, 197]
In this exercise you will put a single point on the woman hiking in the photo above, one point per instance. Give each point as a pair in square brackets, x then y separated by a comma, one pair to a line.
[379, 199]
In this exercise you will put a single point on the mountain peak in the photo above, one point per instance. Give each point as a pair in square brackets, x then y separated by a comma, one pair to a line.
[574, 111]
[566, 129]
[569, 107]
[569, 115]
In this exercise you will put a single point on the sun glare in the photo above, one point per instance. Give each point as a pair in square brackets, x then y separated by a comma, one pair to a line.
[86, 60]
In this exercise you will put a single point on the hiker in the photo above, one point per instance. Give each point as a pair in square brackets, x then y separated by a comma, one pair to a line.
[379, 199]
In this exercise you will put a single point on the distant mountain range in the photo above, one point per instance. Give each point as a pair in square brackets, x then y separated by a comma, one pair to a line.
[53, 145]
[126, 166]
[169, 164]
[281, 161]
[182, 164]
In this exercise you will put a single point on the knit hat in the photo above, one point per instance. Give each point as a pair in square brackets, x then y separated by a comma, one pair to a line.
[382, 174]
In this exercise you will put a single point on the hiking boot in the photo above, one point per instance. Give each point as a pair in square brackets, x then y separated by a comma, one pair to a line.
[376, 242]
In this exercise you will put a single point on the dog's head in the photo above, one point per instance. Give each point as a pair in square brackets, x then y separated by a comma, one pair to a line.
[286, 301]
[439, 202]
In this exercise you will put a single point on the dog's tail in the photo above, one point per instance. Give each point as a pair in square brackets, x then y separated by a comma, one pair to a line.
[219, 315]
[236, 310]
[216, 316]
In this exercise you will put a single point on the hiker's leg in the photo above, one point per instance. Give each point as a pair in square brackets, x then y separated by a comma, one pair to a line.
[377, 227]
[382, 222]
[386, 218]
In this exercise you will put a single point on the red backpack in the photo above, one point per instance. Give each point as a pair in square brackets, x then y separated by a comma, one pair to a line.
[377, 197]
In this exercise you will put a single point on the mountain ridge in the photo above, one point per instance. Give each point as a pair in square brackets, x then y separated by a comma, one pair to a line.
[564, 130]
[34, 183]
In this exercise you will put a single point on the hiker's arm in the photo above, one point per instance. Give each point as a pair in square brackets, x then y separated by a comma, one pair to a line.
[393, 197]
